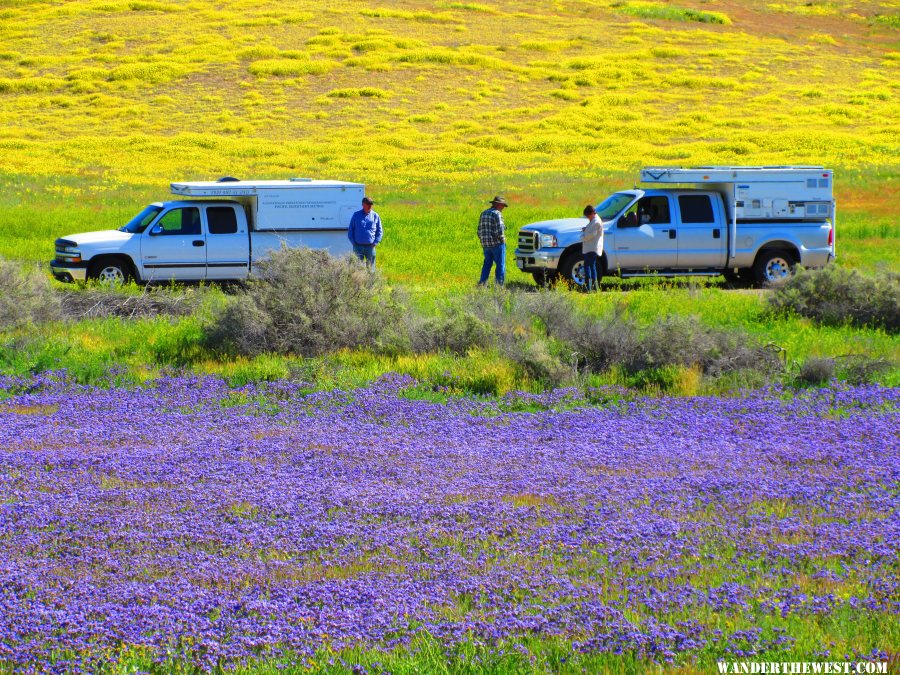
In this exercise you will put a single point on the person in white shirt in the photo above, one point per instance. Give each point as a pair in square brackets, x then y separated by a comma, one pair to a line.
[591, 248]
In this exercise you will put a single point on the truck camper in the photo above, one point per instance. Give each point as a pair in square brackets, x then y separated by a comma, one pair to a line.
[749, 222]
[215, 230]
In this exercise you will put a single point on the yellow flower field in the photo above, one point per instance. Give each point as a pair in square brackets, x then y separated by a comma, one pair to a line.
[407, 93]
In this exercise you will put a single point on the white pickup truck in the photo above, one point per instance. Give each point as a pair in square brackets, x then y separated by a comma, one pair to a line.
[749, 222]
[221, 236]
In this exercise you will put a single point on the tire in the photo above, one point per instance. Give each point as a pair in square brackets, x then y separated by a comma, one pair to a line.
[114, 271]
[545, 278]
[572, 269]
[773, 267]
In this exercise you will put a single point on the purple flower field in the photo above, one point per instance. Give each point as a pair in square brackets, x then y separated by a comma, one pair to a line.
[186, 521]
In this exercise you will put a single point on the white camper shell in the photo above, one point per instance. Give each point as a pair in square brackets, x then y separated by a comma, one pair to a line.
[285, 205]
[759, 193]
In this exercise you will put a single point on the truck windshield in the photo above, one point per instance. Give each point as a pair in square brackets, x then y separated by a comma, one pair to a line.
[140, 222]
[613, 204]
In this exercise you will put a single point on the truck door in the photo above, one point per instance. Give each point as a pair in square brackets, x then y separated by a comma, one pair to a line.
[227, 242]
[702, 232]
[174, 246]
[647, 245]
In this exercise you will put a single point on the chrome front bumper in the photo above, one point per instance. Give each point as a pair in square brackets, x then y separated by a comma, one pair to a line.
[537, 260]
[69, 271]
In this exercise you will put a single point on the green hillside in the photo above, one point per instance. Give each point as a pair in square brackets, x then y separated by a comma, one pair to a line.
[407, 95]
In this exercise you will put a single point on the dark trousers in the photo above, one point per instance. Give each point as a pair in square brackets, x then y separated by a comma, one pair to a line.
[591, 283]
[494, 256]
[365, 252]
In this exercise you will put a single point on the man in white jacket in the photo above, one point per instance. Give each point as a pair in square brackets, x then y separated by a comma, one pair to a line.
[591, 248]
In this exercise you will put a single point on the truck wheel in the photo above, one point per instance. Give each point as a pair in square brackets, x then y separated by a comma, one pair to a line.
[111, 270]
[773, 267]
[545, 278]
[572, 269]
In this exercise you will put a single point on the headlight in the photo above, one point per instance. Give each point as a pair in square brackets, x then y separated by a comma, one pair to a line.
[66, 246]
[67, 251]
[548, 241]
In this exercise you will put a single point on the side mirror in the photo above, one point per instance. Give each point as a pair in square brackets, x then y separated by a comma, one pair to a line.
[155, 230]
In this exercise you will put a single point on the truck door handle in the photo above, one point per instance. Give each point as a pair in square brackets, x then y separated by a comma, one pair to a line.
[199, 242]
[671, 234]
[716, 233]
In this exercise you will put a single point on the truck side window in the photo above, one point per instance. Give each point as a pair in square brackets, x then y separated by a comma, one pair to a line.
[181, 221]
[221, 220]
[649, 210]
[696, 209]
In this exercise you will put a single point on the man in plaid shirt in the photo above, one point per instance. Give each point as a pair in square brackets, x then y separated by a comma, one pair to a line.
[493, 241]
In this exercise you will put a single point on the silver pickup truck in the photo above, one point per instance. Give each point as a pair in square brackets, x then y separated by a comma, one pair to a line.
[755, 223]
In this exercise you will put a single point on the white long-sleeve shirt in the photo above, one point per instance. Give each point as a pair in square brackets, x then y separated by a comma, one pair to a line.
[592, 237]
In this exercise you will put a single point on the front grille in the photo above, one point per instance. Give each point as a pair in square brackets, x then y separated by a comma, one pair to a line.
[529, 242]
[62, 256]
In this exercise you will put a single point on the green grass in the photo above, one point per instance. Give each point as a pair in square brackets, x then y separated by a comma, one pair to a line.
[648, 10]
[437, 107]
[431, 252]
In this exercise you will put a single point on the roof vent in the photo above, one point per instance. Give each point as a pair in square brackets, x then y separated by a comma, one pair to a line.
[301, 180]
[228, 179]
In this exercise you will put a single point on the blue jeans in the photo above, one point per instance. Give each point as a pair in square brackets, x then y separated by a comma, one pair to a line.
[494, 255]
[365, 252]
[590, 272]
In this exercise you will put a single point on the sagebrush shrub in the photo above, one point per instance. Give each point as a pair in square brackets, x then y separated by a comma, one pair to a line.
[26, 296]
[836, 296]
[509, 320]
[601, 344]
[816, 370]
[555, 311]
[308, 303]
[454, 330]
[685, 341]
[617, 341]
[567, 339]
[860, 369]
